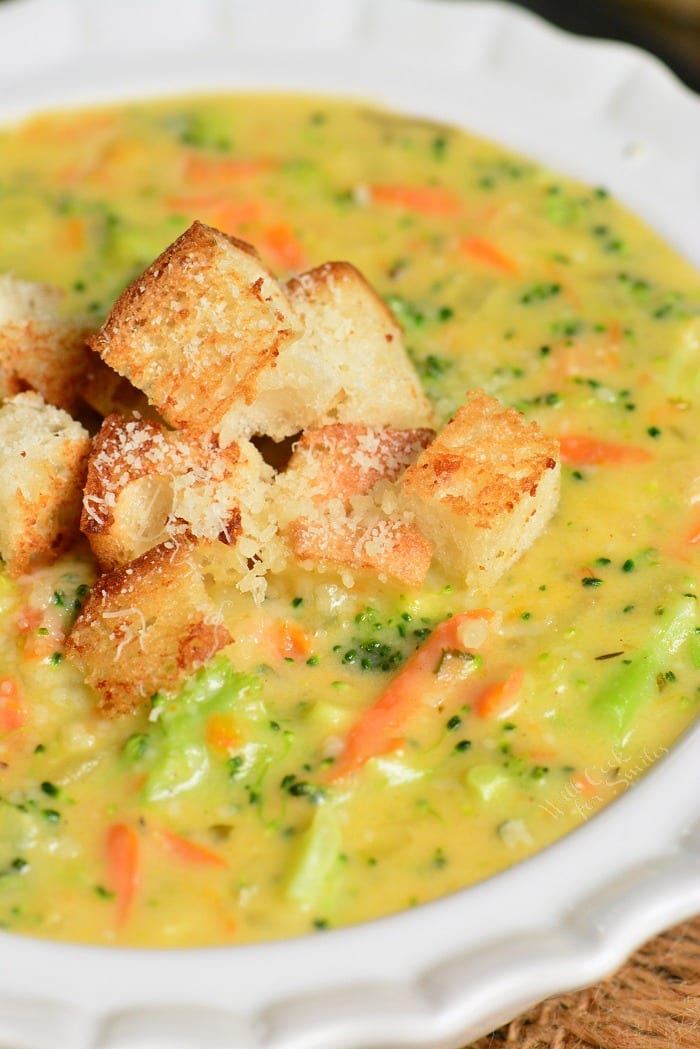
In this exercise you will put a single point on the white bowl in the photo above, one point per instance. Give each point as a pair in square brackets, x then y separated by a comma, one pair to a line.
[448, 971]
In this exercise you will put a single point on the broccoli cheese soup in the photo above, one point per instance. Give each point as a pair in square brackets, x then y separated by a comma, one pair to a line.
[386, 457]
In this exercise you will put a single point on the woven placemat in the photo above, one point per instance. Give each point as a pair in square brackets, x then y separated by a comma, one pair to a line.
[651, 1002]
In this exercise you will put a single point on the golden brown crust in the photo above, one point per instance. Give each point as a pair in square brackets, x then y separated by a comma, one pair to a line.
[346, 459]
[50, 358]
[10, 384]
[324, 284]
[349, 365]
[484, 461]
[375, 381]
[338, 479]
[52, 519]
[379, 544]
[145, 628]
[195, 330]
[43, 455]
[485, 488]
[107, 392]
[146, 484]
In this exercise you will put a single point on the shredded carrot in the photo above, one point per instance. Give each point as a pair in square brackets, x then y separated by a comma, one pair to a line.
[201, 171]
[67, 128]
[499, 699]
[283, 249]
[123, 856]
[487, 253]
[231, 216]
[41, 646]
[28, 618]
[543, 755]
[615, 332]
[558, 275]
[12, 712]
[584, 359]
[570, 294]
[41, 631]
[582, 784]
[229, 923]
[73, 234]
[292, 641]
[225, 215]
[137, 783]
[188, 851]
[693, 535]
[222, 734]
[375, 732]
[581, 450]
[425, 200]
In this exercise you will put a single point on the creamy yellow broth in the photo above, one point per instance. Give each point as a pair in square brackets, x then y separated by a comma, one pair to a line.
[546, 293]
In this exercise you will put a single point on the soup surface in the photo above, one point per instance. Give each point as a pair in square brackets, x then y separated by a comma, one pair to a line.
[545, 293]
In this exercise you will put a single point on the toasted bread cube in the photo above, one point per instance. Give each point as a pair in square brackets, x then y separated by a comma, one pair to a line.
[107, 392]
[197, 328]
[10, 384]
[43, 454]
[349, 365]
[370, 540]
[145, 628]
[146, 484]
[339, 508]
[340, 461]
[40, 350]
[484, 489]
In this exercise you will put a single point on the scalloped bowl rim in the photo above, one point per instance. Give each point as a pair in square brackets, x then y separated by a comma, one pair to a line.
[450, 970]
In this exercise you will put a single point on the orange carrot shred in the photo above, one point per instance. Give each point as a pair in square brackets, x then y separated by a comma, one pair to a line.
[283, 248]
[582, 783]
[73, 234]
[189, 851]
[693, 536]
[581, 359]
[376, 730]
[543, 755]
[499, 698]
[581, 450]
[12, 713]
[68, 128]
[487, 253]
[202, 171]
[615, 332]
[28, 618]
[292, 641]
[228, 921]
[123, 854]
[225, 215]
[425, 200]
[222, 733]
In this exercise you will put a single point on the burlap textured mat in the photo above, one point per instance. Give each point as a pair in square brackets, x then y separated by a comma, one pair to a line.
[652, 1002]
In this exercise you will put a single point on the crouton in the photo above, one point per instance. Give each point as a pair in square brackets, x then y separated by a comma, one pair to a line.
[146, 484]
[145, 628]
[484, 489]
[10, 384]
[337, 502]
[40, 350]
[43, 454]
[349, 365]
[340, 461]
[197, 328]
[369, 540]
[107, 392]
